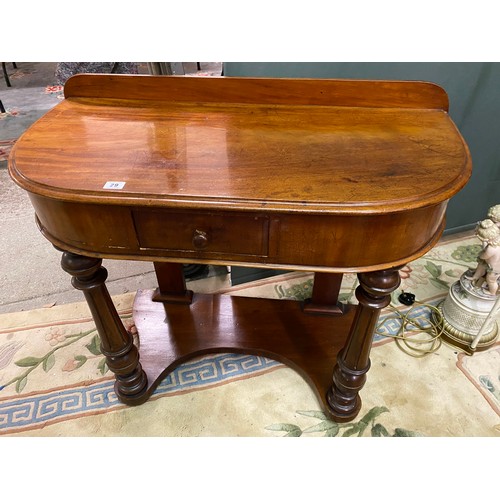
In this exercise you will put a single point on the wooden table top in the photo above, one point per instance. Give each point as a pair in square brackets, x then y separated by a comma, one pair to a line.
[319, 146]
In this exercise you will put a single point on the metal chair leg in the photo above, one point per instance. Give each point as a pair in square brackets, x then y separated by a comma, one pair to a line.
[5, 75]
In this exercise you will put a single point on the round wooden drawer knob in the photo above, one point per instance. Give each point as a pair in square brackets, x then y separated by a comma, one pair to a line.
[200, 239]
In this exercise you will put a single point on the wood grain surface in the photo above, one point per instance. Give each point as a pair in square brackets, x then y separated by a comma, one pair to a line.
[357, 149]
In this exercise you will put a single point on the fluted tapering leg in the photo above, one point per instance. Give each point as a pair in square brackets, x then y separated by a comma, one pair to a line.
[121, 354]
[353, 361]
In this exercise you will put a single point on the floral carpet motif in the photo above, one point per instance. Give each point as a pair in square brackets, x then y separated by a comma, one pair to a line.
[54, 380]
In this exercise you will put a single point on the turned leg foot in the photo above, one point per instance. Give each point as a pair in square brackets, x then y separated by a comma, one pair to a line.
[121, 354]
[353, 361]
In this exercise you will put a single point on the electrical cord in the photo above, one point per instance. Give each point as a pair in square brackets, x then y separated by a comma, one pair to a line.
[434, 330]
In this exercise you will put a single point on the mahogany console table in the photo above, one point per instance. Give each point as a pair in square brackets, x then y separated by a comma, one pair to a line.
[329, 176]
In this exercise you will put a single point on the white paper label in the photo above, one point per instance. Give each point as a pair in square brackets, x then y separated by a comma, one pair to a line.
[113, 185]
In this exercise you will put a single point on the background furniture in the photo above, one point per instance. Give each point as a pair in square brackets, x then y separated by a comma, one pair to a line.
[6, 75]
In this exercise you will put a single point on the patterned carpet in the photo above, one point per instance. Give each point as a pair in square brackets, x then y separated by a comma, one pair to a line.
[55, 382]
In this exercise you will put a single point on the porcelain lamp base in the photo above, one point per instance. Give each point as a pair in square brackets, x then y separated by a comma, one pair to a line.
[464, 312]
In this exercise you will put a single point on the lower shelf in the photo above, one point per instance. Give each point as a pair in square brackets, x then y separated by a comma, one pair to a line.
[170, 334]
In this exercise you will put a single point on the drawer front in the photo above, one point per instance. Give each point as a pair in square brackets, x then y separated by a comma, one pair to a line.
[202, 233]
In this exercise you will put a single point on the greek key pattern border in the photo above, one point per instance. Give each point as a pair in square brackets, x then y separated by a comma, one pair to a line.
[391, 326]
[36, 410]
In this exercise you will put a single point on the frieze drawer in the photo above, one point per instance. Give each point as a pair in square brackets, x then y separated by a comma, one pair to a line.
[202, 233]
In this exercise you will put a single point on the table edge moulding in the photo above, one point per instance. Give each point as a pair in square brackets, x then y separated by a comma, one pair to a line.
[321, 175]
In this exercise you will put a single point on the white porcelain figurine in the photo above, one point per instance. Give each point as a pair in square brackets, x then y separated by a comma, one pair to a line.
[488, 267]
[494, 214]
[470, 309]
